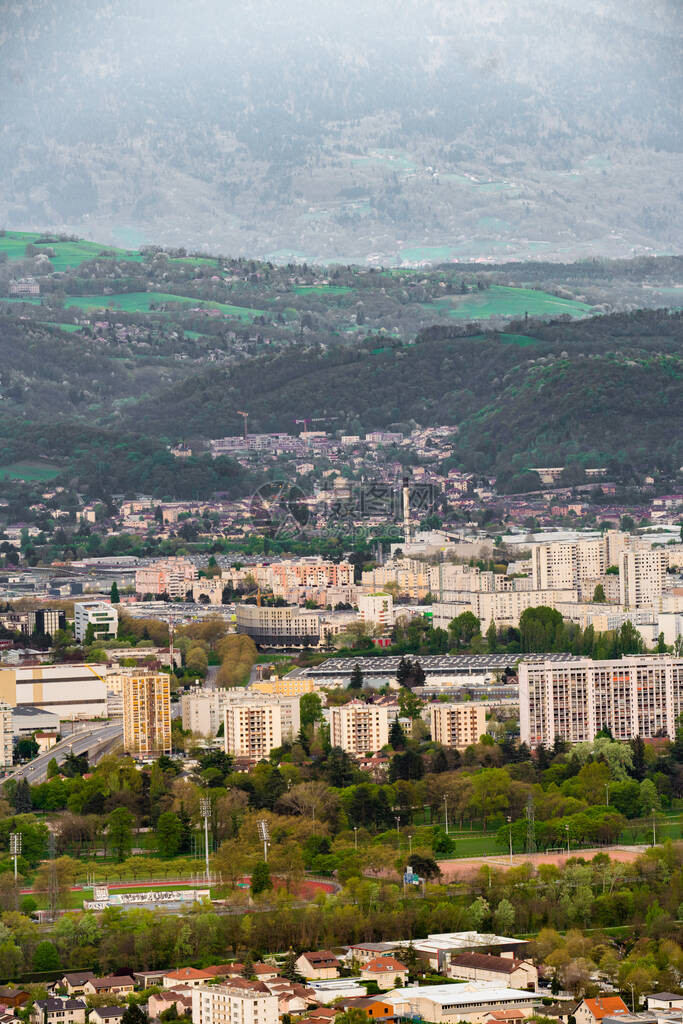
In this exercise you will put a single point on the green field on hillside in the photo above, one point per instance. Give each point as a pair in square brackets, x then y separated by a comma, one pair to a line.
[67, 254]
[69, 328]
[141, 302]
[28, 470]
[499, 300]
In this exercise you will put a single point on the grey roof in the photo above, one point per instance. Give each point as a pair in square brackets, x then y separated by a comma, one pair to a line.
[52, 1005]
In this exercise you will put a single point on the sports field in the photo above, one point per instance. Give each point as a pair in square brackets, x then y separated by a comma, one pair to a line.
[500, 300]
[27, 470]
[141, 302]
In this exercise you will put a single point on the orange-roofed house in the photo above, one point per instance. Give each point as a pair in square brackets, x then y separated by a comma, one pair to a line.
[320, 965]
[387, 971]
[591, 1011]
[188, 977]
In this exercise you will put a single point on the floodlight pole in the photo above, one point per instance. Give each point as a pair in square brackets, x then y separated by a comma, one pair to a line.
[205, 809]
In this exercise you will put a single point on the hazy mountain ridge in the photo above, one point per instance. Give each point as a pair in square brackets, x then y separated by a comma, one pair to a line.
[248, 132]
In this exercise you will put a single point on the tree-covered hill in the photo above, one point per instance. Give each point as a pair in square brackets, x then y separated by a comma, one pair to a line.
[608, 386]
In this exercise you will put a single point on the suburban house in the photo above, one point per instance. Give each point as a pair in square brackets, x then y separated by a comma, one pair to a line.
[188, 977]
[114, 985]
[106, 1015]
[506, 1017]
[387, 971]
[664, 1001]
[73, 983]
[363, 952]
[291, 997]
[372, 1006]
[13, 997]
[57, 1010]
[266, 972]
[319, 966]
[591, 1011]
[156, 1004]
[507, 971]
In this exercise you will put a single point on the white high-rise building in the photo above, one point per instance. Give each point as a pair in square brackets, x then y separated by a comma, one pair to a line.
[638, 695]
[642, 575]
[237, 1002]
[377, 609]
[253, 726]
[359, 728]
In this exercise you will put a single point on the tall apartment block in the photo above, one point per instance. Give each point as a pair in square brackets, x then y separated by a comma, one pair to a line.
[642, 575]
[255, 726]
[359, 728]
[6, 736]
[146, 713]
[457, 724]
[638, 695]
[236, 1002]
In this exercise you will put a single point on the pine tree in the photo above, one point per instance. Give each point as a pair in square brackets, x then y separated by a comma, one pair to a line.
[114, 593]
[260, 878]
[492, 637]
[397, 737]
[356, 682]
[404, 671]
[22, 797]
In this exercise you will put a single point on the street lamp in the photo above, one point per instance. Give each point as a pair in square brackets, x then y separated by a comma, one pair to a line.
[567, 828]
[397, 819]
[410, 846]
[445, 807]
[205, 811]
[355, 837]
[15, 849]
[510, 835]
[264, 836]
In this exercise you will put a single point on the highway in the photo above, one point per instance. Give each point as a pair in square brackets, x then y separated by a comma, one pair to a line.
[96, 740]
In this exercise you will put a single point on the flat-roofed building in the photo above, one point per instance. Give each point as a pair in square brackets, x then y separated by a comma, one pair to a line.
[637, 695]
[457, 724]
[146, 713]
[103, 618]
[359, 728]
[68, 691]
[237, 1002]
[253, 726]
[449, 1004]
[288, 626]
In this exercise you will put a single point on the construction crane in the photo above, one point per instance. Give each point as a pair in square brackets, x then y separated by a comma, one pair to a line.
[245, 417]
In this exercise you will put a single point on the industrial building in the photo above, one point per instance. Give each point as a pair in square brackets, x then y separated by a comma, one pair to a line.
[69, 691]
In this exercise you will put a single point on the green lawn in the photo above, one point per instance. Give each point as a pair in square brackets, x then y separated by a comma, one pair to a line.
[67, 254]
[69, 328]
[499, 300]
[140, 302]
[28, 470]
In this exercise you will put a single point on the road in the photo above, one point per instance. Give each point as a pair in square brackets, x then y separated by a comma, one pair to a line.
[95, 740]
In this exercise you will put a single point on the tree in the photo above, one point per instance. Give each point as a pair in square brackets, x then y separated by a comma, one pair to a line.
[289, 969]
[397, 737]
[114, 593]
[504, 917]
[260, 879]
[310, 709]
[46, 957]
[120, 832]
[492, 638]
[21, 800]
[599, 594]
[169, 834]
[26, 748]
[356, 681]
[134, 1014]
[463, 629]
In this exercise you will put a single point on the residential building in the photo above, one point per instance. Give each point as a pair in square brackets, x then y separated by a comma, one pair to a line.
[359, 728]
[457, 725]
[372, 1006]
[255, 726]
[112, 985]
[146, 713]
[449, 1004]
[320, 965]
[386, 971]
[377, 609]
[283, 687]
[6, 736]
[211, 589]
[287, 626]
[172, 576]
[363, 952]
[439, 947]
[664, 1001]
[46, 620]
[592, 1011]
[103, 618]
[508, 972]
[14, 997]
[638, 695]
[330, 990]
[642, 575]
[187, 977]
[24, 286]
[203, 710]
[105, 1015]
[237, 1002]
[66, 690]
[58, 1010]
[504, 607]
[158, 1003]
